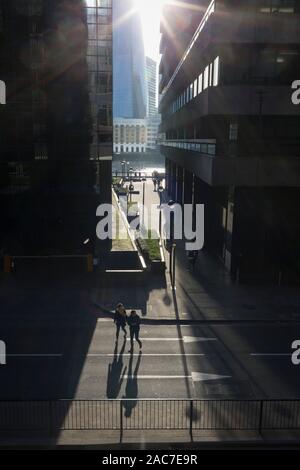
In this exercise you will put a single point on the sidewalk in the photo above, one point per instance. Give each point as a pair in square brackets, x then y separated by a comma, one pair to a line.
[135, 440]
[206, 295]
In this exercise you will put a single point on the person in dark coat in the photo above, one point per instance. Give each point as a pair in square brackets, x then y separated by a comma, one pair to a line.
[134, 323]
[120, 319]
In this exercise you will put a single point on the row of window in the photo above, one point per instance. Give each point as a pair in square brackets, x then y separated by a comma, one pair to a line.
[98, 15]
[129, 149]
[96, 62]
[99, 33]
[98, 3]
[278, 6]
[209, 77]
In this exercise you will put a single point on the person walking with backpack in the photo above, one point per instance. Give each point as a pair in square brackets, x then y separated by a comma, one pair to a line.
[120, 320]
[134, 323]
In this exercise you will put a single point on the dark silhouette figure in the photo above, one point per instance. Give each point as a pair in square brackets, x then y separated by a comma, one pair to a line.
[116, 373]
[134, 323]
[120, 319]
[132, 391]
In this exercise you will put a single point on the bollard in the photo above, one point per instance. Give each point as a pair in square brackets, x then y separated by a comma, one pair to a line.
[7, 264]
[90, 266]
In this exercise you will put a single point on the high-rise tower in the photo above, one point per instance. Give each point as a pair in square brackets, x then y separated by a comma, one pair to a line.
[56, 129]
[129, 82]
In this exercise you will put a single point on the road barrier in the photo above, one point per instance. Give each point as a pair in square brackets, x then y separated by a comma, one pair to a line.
[133, 414]
[82, 262]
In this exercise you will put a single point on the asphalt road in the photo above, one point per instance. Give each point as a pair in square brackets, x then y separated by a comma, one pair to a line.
[219, 361]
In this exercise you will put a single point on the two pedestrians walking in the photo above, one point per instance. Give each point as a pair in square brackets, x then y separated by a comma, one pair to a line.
[133, 321]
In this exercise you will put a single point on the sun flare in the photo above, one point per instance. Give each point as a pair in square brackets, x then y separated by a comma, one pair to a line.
[150, 12]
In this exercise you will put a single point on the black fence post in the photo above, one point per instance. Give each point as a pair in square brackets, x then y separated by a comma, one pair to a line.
[191, 418]
[261, 414]
[50, 424]
[121, 421]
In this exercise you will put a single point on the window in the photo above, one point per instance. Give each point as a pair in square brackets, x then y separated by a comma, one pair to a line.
[233, 131]
[191, 91]
[195, 87]
[200, 83]
[210, 74]
[216, 71]
[277, 6]
[277, 64]
[206, 78]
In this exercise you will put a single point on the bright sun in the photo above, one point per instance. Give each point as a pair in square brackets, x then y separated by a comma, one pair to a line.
[150, 11]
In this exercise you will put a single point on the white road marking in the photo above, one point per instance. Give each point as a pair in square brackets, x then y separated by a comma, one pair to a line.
[269, 354]
[195, 376]
[201, 377]
[34, 355]
[185, 339]
[146, 355]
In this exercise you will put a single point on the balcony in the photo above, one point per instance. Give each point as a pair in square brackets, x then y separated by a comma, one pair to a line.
[207, 147]
[218, 170]
[233, 100]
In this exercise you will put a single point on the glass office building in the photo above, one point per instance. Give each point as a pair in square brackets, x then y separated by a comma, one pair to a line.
[130, 93]
[56, 127]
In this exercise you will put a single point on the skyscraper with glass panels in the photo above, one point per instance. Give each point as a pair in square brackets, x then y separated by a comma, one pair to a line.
[130, 92]
[99, 58]
[56, 127]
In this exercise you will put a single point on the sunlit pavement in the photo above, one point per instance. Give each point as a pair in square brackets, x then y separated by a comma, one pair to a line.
[219, 361]
[61, 345]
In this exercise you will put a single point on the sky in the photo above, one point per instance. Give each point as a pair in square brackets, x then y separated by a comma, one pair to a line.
[150, 11]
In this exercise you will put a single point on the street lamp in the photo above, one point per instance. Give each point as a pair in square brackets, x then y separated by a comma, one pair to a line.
[131, 188]
[173, 266]
[144, 197]
[160, 191]
[123, 168]
[124, 165]
[173, 247]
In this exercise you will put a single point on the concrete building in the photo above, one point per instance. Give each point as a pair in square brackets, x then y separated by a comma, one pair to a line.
[151, 80]
[56, 127]
[153, 117]
[232, 131]
[130, 135]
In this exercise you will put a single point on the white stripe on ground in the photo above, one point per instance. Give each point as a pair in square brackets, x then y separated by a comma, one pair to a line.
[195, 376]
[34, 355]
[269, 354]
[185, 339]
[146, 355]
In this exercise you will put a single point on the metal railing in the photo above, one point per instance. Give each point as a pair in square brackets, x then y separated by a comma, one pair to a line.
[202, 146]
[210, 10]
[150, 414]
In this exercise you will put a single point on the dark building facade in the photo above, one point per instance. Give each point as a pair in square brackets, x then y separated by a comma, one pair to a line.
[232, 131]
[56, 127]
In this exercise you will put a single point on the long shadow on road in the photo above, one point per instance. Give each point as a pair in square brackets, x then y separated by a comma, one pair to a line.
[116, 373]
